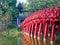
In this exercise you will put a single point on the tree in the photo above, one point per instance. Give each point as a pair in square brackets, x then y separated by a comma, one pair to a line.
[8, 12]
[34, 5]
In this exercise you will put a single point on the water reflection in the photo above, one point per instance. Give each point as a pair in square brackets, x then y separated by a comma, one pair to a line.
[28, 40]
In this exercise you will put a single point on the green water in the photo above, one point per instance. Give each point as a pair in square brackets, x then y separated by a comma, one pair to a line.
[27, 40]
[22, 39]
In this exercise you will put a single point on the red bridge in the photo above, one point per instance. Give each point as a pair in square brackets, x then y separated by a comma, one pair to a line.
[42, 21]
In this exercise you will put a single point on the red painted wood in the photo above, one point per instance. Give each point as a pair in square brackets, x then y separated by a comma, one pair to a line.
[45, 31]
[53, 32]
[40, 30]
[47, 16]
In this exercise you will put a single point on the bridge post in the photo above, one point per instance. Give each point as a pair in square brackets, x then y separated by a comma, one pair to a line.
[53, 33]
[32, 30]
[36, 29]
[48, 32]
[40, 30]
[29, 29]
[45, 31]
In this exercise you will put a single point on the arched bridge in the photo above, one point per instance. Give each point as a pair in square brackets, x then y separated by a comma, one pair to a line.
[42, 21]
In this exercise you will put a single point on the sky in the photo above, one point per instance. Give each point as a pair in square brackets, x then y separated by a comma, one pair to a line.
[20, 1]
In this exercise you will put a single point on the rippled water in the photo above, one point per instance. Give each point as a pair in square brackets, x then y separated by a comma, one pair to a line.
[28, 40]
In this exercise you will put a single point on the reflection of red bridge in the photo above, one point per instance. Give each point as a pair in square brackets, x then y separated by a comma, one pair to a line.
[27, 40]
[42, 20]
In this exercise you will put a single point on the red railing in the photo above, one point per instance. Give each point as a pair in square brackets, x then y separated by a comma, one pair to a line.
[40, 21]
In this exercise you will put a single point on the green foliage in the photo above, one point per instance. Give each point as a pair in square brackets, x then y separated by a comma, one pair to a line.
[11, 33]
[34, 5]
[8, 12]
[9, 37]
[11, 3]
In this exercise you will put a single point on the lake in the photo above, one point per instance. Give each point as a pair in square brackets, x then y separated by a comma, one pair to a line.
[28, 40]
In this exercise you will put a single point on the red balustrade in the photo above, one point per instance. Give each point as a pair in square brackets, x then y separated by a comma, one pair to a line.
[39, 22]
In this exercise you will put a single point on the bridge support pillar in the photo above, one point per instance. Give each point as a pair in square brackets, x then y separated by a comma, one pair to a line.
[53, 33]
[29, 30]
[32, 30]
[40, 30]
[45, 31]
[36, 29]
